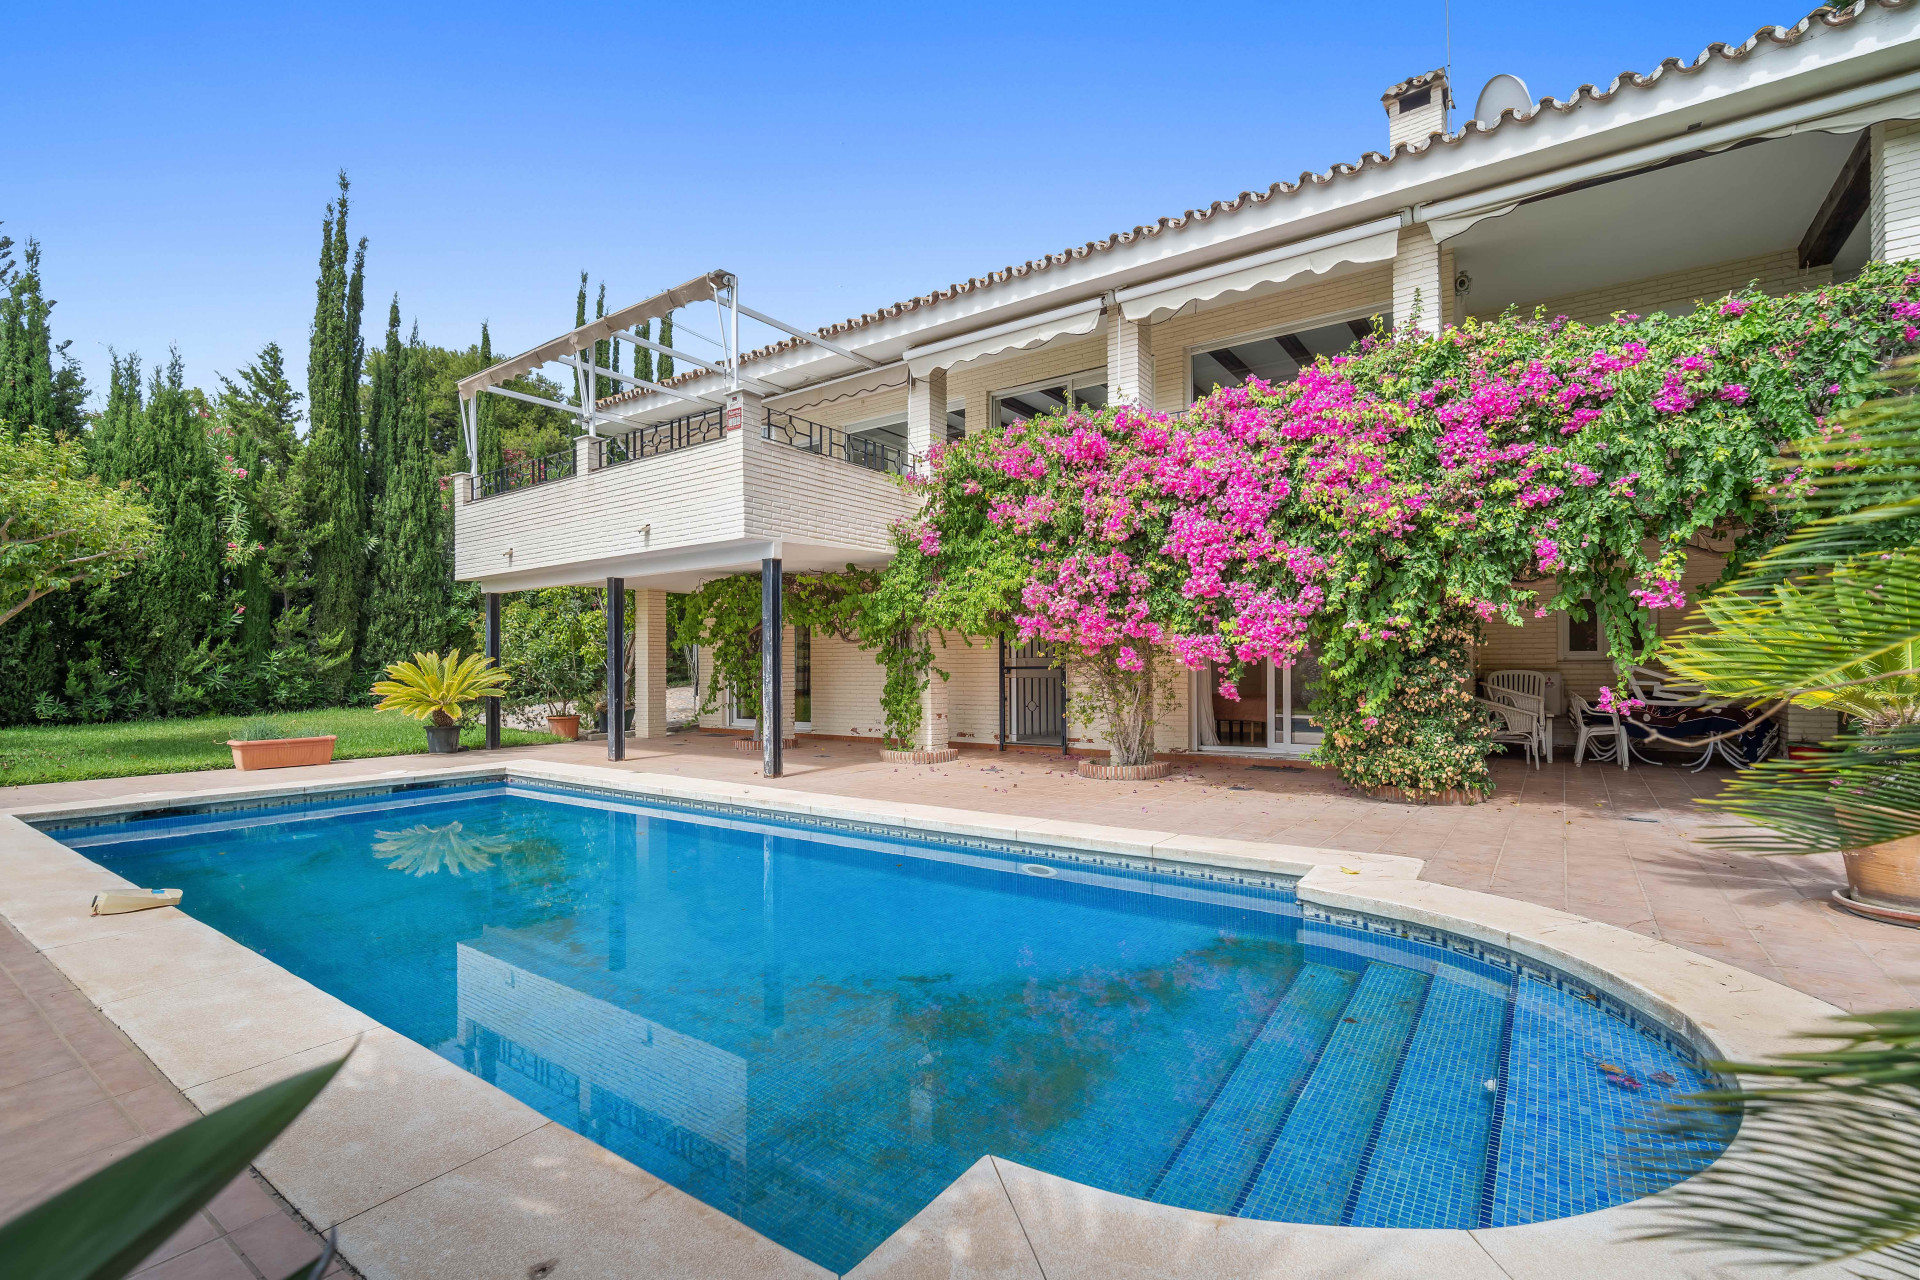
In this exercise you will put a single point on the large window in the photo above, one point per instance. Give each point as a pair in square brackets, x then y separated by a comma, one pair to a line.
[1017, 404]
[1272, 357]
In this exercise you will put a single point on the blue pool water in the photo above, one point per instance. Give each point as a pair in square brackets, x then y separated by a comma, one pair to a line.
[817, 1030]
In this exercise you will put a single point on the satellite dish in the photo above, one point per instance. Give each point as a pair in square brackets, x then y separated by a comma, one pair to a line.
[1502, 91]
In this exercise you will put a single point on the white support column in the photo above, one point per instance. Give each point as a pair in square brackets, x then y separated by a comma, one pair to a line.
[1417, 283]
[1129, 361]
[926, 412]
[650, 647]
[1895, 204]
[745, 412]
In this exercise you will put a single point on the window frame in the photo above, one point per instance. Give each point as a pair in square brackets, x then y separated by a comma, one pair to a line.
[1096, 376]
[1564, 623]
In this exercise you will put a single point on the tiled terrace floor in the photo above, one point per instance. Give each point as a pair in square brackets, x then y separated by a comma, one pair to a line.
[1622, 847]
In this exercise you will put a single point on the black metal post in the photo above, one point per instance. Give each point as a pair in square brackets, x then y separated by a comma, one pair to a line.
[1063, 712]
[616, 668]
[772, 731]
[493, 652]
[1004, 682]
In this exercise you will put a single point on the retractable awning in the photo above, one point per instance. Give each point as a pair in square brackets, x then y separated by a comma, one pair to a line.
[1375, 241]
[1015, 335]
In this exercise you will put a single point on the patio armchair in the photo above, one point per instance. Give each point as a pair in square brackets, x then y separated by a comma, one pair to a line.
[1535, 709]
[1601, 729]
[1512, 726]
[1531, 690]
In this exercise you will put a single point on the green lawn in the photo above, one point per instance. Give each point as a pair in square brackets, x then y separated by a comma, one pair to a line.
[69, 753]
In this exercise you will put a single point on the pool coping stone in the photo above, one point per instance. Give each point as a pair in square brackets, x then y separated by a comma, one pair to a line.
[466, 1178]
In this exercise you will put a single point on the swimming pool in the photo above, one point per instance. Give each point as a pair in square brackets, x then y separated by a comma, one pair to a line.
[816, 1028]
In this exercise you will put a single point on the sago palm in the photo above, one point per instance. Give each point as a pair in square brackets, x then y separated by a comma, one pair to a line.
[436, 689]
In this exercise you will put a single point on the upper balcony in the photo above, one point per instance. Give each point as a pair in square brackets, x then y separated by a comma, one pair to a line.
[674, 503]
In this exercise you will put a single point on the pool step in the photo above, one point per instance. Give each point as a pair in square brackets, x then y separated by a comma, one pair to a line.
[1441, 1113]
[1321, 1150]
[1209, 1169]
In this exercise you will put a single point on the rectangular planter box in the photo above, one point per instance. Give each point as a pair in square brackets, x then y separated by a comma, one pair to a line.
[281, 753]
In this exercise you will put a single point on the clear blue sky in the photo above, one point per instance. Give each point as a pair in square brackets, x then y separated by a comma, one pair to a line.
[175, 160]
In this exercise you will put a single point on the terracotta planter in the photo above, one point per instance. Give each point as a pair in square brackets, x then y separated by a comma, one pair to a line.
[567, 727]
[281, 753]
[942, 756]
[443, 739]
[1124, 772]
[1886, 875]
[753, 744]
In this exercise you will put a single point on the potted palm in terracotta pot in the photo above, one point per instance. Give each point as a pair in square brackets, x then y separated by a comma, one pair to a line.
[438, 692]
[1830, 620]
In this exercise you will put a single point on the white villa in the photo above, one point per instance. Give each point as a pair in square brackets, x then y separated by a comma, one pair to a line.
[1788, 160]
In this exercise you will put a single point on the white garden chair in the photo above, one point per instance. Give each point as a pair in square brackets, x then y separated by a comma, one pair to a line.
[1600, 728]
[1530, 685]
[1511, 725]
[1535, 710]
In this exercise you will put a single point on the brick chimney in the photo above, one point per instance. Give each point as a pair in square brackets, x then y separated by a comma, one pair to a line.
[1417, 108]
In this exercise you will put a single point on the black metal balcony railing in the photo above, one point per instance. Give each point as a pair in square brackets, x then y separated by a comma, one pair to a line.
[833, 443]
[525, 473]
[662, 437]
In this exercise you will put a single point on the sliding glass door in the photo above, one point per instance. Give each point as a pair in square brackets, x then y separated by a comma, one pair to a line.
[1274, 710]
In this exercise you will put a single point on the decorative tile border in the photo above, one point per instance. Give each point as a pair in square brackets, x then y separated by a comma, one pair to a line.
[1689, 1042]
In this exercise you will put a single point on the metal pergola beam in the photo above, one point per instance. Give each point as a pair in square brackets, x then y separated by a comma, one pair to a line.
[627, 335]
[561, 405]
[804, 336]
[630, 380]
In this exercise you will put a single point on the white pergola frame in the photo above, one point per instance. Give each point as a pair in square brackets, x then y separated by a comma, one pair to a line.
[575, 350]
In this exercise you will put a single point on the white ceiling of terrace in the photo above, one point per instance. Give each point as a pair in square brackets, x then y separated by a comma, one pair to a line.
[1736, 204]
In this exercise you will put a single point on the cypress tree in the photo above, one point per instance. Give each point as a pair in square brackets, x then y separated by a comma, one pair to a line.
[487, 426]
[260, 411]
[411, 598]
[116, 433]
[174, 598]
[602, 353]
[665, 364]
[643, 358]
[334, 483]
[383, 406]
[26, 346]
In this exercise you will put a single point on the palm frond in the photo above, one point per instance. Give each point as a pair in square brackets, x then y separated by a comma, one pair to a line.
[1851, 636]
[1826, 1167]
[1860, 790]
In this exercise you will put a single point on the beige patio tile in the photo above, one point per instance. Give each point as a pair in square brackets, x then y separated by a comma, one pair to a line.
[215, 1027]
[396, 1116]
[553, 1196]
[167, 953]
[970, 1231]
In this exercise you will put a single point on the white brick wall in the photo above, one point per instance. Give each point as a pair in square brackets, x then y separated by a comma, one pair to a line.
[1895, 207]
[695, 496]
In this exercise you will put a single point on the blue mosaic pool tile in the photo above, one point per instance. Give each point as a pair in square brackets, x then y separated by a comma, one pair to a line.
[1428, 1160]
[1320, 1151]
[1227, 1140]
